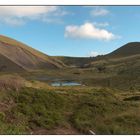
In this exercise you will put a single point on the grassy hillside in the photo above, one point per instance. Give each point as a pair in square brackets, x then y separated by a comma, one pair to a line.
[123, 66]
[24, 56]
[128, 49]
[7, 65]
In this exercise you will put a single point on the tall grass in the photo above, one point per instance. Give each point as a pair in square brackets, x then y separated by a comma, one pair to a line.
[11, 83]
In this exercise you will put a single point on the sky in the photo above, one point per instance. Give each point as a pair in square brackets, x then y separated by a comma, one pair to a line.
[79, 31]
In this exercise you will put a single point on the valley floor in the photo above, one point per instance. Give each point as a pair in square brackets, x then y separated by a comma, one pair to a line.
[106, 102]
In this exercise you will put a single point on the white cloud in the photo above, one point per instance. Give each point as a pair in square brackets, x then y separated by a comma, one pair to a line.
[19, 15]
[88, 31]
[93, 54]
[99, 12]
[12, 21]
[25, 11]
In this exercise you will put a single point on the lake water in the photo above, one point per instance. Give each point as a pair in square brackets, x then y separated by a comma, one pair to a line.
[65, 83]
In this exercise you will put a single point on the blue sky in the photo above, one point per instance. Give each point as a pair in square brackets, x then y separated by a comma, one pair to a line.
[72, 30]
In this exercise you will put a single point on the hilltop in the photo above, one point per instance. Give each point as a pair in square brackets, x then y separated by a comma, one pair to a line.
[128, 49]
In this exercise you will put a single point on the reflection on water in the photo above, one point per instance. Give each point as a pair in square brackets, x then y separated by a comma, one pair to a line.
[65, 83]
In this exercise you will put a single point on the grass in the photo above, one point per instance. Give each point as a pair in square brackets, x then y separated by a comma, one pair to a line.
[42, 109]
[101, 110]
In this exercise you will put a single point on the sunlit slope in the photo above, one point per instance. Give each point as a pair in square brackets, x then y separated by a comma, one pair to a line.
[24, 56]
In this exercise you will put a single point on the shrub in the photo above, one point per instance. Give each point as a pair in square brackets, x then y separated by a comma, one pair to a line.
[101, 68]
[133, 98]
[2, 116]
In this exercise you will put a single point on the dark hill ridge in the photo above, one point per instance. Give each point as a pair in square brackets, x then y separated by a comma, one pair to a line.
[15, 55]
[128, 49]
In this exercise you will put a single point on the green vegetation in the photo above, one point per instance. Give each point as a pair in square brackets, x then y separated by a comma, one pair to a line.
[102, 110]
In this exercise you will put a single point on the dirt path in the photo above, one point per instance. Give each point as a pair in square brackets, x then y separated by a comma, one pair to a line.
[57, 131]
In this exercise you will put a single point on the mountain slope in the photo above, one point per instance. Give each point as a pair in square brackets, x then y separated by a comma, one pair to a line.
[127, 52]
[128, 49]
[25, 57]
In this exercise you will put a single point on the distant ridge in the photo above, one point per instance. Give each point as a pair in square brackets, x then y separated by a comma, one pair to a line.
[128, 49]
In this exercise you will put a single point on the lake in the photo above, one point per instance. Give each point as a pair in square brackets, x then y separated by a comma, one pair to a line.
[65, 83]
